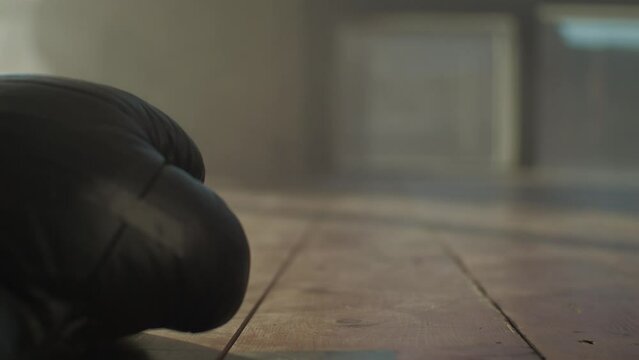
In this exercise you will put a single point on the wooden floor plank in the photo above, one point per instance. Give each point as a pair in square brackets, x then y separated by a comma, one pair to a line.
[571, 302]
[510, 217]
[376, 277]
[566, 277]
[519, 220]
[360, 286]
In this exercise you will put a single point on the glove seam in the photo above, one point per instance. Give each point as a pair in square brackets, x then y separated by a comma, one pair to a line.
[110, 248]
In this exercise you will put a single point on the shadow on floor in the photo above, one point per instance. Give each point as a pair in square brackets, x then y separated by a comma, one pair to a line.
[151, 347]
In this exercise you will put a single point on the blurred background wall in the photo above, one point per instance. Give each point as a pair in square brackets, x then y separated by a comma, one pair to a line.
[290, 90]
[230, 72]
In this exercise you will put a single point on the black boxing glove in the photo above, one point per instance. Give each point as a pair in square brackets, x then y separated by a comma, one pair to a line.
[105, 226]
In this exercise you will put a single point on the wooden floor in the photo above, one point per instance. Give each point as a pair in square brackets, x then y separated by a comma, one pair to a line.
[413, 275]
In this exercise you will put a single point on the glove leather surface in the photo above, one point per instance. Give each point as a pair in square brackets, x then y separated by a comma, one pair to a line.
[106, 228]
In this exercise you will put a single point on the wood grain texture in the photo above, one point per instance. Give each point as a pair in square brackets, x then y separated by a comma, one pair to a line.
[362, 286]
[421, 277]
[567, 278]
[571, 302]
[504, 217]
[515, 218]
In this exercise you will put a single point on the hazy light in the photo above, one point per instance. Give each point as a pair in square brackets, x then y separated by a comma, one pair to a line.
[600, 33]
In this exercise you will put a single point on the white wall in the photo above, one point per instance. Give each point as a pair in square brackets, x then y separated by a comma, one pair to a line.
[231, 72]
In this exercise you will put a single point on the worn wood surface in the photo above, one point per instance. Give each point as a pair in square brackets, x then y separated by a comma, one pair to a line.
[367, 286]
[572, 302]
[428, 277]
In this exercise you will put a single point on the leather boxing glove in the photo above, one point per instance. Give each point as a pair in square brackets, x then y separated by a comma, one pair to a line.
[105, 226]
